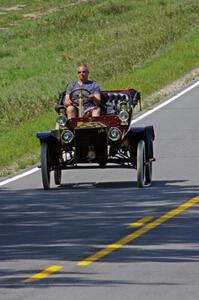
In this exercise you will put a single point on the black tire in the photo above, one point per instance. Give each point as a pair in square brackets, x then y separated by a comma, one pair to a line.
[57, 176]
[148, 173]
[102, 164]
[140, 164]
[45, 165]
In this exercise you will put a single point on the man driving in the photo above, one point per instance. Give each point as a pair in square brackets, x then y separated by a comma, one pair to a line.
[90, 93]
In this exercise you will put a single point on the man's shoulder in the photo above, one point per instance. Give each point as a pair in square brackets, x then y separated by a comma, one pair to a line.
[72, 84]
[92, 84]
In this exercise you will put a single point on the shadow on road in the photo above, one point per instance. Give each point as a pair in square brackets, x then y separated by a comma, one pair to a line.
[74, 221]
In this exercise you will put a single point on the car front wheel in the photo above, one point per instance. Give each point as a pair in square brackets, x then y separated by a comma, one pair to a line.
[45, 165]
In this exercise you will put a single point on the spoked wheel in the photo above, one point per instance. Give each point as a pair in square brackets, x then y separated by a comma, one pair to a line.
[45, 165]
[57, 176]
[141, 163]
[148, 173]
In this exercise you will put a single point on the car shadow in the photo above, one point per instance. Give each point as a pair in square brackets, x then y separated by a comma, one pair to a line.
[74, 221]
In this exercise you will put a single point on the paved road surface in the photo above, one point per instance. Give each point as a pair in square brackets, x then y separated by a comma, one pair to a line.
[49, 235]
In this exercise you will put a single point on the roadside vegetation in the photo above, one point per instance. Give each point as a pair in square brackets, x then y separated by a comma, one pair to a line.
[144, 44]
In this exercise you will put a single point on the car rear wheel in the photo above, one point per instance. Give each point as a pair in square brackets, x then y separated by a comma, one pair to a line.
[45, 165]
[57, 176]
[141, 163]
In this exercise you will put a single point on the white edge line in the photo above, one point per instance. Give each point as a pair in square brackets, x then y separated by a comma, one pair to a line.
[19, 176]
[4, 182]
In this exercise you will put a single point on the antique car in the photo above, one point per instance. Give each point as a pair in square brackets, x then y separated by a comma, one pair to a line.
[106, 141]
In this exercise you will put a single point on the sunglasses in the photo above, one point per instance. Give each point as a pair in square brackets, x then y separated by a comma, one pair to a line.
[79, 72]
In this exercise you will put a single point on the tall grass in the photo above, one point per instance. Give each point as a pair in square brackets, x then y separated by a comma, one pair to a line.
[39, 56]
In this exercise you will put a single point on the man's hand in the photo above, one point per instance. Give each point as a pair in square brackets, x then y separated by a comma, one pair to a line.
[91, 97]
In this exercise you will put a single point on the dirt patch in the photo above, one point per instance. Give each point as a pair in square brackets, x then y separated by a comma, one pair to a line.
[32, 16]
[8, 170]
[13, 8]
[52, 10]
[28, 160]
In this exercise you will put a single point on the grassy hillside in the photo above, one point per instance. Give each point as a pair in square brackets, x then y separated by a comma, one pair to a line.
[144, 44]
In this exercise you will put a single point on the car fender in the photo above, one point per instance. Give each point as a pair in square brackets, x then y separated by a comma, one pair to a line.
[135, 134]
[46, 135]
[54, 146]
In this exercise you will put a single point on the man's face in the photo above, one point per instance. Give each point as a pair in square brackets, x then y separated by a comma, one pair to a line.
[82, 74]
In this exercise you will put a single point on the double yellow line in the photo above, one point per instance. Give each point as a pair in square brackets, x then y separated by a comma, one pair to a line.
[129, 238]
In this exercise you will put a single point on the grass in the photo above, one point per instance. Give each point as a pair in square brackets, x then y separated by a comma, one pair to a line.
[141, 44]
[23, 147]
[176, 60]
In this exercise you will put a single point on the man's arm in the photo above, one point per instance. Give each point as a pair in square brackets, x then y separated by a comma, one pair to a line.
[95, 98]
[67, 101]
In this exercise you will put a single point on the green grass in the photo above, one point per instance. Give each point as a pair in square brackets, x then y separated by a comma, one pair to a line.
[176, 60]
[141, 44]
[23, 144]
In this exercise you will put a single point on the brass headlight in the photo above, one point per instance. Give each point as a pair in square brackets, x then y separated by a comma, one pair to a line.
[114, 134]
[61, 121]
[123, 116]
[67, 136]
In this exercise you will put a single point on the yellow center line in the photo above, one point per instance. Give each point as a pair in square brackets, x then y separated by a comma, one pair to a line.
[43, 274]
[112, 247]
[141, 222]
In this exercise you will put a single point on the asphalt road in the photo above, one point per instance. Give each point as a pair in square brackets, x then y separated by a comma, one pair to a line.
[50, 240]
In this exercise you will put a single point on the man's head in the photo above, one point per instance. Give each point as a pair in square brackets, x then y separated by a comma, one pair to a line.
[82, 71]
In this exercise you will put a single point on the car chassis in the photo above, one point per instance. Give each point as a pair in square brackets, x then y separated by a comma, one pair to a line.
[106, 141]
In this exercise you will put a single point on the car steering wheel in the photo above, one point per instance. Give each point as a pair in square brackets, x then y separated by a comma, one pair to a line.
[79, 89]
[81, 99]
